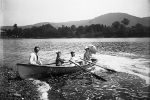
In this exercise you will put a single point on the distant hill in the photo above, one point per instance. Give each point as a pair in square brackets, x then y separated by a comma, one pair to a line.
[106, 19]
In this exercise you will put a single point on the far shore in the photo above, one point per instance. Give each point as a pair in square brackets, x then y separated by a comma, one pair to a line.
[131, 39]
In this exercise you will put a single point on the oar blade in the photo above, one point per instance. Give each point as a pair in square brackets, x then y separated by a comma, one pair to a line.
[98, 77]
[111, 70]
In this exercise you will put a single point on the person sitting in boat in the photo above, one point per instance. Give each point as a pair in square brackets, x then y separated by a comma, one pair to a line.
[59, 60]
[34, 59]
[74, 59]
[88, 56]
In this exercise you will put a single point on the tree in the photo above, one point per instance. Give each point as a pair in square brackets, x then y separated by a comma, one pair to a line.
[73, 28]
[15, 31]
[139, 30]
[72, 31]
[125, 22]
[15, 26]
[116, 24]
[79, 31]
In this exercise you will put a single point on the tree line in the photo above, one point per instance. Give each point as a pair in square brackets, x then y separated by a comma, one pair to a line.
[117, 30]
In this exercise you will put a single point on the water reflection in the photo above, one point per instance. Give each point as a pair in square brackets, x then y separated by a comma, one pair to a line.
[82, 86]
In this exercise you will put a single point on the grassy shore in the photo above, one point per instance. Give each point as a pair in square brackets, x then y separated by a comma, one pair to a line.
[13, 88]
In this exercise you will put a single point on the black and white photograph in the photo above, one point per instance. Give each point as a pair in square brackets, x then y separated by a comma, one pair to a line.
[74, 49]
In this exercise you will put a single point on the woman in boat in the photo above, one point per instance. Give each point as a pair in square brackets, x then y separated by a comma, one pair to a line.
[59, 60]
[88, 56]
[34, 59]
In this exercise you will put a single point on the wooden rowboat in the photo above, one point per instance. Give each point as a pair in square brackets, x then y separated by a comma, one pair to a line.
[39, 71]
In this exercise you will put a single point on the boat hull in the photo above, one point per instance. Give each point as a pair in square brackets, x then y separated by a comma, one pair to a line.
[40, 71]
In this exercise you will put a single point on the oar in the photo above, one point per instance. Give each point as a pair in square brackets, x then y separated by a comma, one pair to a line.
[55, 63]
[111, 70]
[96, 76]
[51, 63]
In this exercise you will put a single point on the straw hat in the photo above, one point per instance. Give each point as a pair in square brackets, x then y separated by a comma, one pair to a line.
[86, 47]
[58, 52]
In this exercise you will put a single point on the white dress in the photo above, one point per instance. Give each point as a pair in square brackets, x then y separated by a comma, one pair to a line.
[87, 57]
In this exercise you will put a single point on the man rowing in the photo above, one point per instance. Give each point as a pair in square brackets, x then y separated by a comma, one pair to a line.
[74, 59]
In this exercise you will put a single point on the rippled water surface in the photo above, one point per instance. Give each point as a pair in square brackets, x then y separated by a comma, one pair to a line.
[83, 86]
[18, 50]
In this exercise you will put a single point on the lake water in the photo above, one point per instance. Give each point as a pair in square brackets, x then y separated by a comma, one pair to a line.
[17, 50]
[76, 87]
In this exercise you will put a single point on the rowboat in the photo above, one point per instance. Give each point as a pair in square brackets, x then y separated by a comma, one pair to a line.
[39, 71]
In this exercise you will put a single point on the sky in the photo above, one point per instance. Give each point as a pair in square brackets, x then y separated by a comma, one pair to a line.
[26, 12]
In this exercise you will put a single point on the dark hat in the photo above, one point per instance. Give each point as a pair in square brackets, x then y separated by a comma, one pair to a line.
[36, 48]
[72, 52]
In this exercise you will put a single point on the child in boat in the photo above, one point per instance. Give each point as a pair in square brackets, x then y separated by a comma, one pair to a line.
[74, 59]
[34, 59]
[59, 60]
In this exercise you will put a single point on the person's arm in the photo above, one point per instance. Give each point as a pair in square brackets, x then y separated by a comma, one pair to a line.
[84, 56]
[39, 61]
[71, 58]
[31, 59]
[90, 55]
[61, 60]
[75, 60]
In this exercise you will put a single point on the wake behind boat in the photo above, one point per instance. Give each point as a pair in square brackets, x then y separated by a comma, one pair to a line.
[39, 71]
